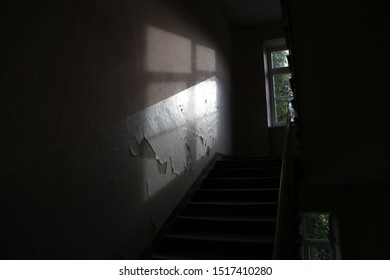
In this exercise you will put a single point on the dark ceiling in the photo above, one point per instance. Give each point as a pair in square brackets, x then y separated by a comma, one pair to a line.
[252, 12]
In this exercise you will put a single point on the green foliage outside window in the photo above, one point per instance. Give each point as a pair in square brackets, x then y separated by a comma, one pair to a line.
[283, 94]
[317, 226]
[319, 253]
[279, 59]
[281, 82]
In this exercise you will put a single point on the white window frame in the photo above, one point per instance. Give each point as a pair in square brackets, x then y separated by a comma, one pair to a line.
[269, 47]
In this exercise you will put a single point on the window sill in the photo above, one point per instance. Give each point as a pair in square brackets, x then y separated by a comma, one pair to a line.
[278, 125]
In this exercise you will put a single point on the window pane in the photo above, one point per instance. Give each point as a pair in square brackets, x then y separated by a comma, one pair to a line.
[319, 253]
[281, 109]
[317, 226]
[279, 59]
[282, 86]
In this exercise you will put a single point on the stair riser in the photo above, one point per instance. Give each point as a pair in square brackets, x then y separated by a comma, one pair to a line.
[214, 183]
[235, 227]
[265, 195]
[244, 173]
[245, 210]
[224, 250]
[248, 164]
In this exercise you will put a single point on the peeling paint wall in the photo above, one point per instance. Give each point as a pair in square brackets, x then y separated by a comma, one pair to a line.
[160, 151]
[182, 130]
[109, 112]
[155, 155]
[169, 144]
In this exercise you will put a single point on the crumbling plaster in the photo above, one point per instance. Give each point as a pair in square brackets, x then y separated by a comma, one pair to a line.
[159, 152]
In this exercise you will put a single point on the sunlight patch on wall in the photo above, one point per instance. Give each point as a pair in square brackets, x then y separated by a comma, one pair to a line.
[205, 59]
[167, 52]
[175, 136]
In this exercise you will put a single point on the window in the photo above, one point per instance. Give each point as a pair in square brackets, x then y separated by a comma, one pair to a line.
[319, 237]
[278, 87]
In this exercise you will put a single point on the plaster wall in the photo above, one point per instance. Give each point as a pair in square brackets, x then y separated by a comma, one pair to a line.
[251, 135]
[109, 111]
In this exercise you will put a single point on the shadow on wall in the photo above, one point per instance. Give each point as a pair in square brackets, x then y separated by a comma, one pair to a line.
[115, 148]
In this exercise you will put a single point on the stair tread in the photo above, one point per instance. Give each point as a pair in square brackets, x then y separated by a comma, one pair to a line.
[178, 256]
[229, 218]
[172, 255]
[203, 256]
[247, 168]
[247, 163]
[237, 190]
[236, 178]
[244, 178]
[231, 203]
[249, 159]
[226, 237]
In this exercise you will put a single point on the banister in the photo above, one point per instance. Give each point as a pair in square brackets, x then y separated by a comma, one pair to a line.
[285, 199]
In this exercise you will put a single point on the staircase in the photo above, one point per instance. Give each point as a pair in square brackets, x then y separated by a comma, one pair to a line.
[232, 215]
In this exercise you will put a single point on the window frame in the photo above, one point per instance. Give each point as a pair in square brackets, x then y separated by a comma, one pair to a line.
[270, 47]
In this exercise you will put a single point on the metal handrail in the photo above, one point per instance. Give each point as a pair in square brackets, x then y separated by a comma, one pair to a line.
[284, 191]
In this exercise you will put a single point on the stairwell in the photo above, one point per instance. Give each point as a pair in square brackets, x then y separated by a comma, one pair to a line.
[231, 215]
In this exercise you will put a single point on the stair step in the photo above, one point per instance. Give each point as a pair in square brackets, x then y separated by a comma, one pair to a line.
[248, 163]
[245, 183]
[230, 218]
[259, 195]
[239, 203]
[246, 253]
[191, 246]
[189, 256]
[244, 172]
[242, 227]
[222, 238]
[238, 190]
[233, 209]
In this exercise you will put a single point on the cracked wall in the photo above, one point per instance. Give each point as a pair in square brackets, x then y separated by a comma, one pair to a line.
[165, 147]
[144, 150]
[178, 134]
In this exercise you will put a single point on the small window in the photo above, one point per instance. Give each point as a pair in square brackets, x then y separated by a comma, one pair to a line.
[318, 237]
[279, 59]
[278, 75]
